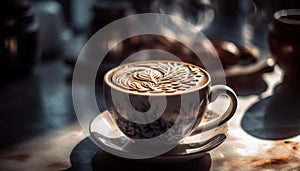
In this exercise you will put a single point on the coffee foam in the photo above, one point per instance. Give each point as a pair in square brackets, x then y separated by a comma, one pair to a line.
[158, 77]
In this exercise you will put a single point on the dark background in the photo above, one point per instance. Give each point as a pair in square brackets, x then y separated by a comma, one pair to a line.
[37, 99]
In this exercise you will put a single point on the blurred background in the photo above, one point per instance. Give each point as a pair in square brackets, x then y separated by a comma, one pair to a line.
[40, 41]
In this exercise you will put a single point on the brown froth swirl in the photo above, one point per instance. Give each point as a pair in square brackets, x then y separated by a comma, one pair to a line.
[158, 77]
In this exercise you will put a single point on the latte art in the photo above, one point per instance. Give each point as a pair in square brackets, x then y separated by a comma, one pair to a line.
[158, 77]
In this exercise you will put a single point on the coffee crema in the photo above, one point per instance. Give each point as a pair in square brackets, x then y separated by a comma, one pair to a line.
[158, 77]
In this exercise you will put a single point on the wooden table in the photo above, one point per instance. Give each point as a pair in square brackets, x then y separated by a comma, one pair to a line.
[53, 139]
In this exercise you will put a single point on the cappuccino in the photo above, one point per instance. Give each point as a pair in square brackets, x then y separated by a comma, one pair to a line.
[157, 77]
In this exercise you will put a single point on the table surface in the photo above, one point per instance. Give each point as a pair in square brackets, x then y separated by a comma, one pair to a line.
[40, 130]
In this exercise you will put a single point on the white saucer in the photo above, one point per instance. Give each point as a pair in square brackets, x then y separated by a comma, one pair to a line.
[106, 134]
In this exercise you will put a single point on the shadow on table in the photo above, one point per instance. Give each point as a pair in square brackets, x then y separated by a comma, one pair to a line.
[87, 156]
[249, 84]
[243, 85]
[274, 117]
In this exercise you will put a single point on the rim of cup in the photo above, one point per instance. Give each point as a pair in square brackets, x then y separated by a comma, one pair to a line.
[287, 12]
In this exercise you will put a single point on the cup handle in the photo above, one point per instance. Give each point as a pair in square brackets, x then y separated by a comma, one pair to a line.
[215, 92]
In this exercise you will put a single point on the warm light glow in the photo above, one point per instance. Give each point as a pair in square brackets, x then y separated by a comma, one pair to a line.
[230, 47]
[12, 45]
[287, 49]
[270, 62]
[113, 44]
